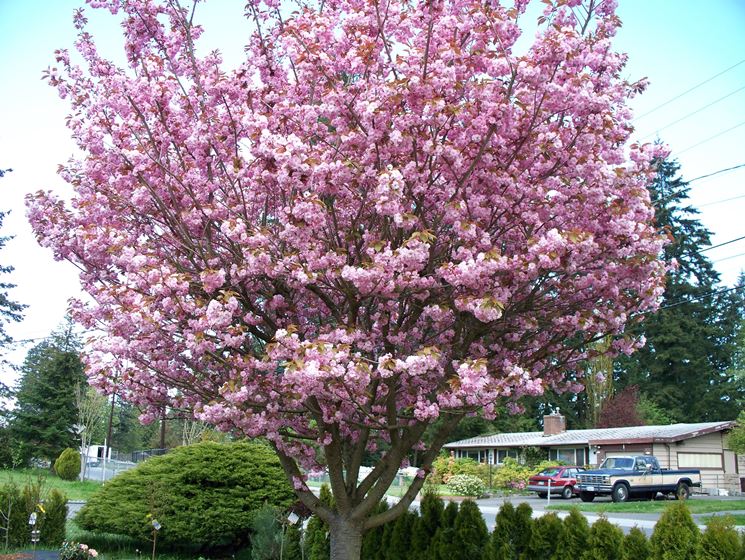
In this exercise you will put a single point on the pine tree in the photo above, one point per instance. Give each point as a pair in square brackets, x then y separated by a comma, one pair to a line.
[685, 366]
[635, 545]
[523, 529]
[45, 401]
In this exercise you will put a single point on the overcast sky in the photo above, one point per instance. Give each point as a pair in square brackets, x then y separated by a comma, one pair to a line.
[677, 44]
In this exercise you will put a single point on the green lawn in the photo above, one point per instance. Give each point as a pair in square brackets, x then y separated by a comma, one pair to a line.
[738, 518]
[74, 490]
[695, 506]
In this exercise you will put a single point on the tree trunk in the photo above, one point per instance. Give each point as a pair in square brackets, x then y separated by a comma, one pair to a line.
[346, 540]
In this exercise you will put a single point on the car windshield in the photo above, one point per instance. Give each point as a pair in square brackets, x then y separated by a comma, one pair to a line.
[619, 463]
[549, 472]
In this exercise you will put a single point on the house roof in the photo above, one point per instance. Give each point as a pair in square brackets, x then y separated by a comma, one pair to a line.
[632, 434]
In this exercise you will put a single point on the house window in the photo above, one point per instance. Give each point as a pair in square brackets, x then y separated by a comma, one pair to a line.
[568, 456]
[502, 454]
[700, 460]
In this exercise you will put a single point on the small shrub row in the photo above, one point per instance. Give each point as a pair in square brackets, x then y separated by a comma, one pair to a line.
[511, 475]
[454, 532]
[16, 506]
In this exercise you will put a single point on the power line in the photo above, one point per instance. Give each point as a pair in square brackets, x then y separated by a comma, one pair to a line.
[702, 296]
[686, 92]
[722, 244]
[730, 257]
[717, 135]
[716, 172]
[668, 125]
[721, 201]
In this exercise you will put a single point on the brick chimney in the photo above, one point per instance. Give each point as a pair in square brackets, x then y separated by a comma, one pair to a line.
[553, 424]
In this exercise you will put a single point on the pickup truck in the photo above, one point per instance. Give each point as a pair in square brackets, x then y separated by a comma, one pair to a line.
[635, 477]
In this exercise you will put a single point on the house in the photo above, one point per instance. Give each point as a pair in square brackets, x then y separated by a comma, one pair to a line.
[701, 445]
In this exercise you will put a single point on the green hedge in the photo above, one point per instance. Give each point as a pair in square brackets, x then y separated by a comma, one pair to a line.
[204, 496]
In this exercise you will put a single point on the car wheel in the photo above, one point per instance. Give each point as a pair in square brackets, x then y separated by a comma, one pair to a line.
[587, 496]
[620, 493]
[542, 494]
[567, 492]
[682, 492]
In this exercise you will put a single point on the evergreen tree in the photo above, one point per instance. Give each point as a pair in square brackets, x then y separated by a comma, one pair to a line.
[500, 545]
[431, 510]
[523, 529]
[547, 530]
[317, 543]
[372, 540]
[399, 546]
[605, 542]
[635, 545]
[471, 533]
[574, 538]
[10, 310]
[443, 544]
[721, 540]
[675, 536]
[686, 365]
[45, 409]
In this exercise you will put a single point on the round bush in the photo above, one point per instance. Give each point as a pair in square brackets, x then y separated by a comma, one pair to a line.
[67, 465]
[467, 485]
[204, 496]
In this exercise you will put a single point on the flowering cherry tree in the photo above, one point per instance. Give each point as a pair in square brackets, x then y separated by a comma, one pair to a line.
[387, 218]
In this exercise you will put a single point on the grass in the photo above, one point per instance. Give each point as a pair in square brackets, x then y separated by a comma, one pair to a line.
[73, 489]
[695, 506]
[738, 518]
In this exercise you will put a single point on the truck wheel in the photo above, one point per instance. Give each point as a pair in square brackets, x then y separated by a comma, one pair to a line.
[567, 492]
[587, 496]
[542, 494]
[620, 493]
[682, 492]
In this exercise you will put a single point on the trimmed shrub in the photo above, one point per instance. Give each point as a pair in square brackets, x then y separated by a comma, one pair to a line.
[467, 485]
[574, 538]
[67, 465]
[675, 536]
[605, 541]
[720, 541]
[547, 531]
[205, 496]
[635, 545]
[270, 540]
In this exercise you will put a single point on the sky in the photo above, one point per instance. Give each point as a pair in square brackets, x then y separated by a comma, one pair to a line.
[692, 51]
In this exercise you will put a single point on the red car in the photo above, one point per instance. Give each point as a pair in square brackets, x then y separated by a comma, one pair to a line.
[563, 482]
